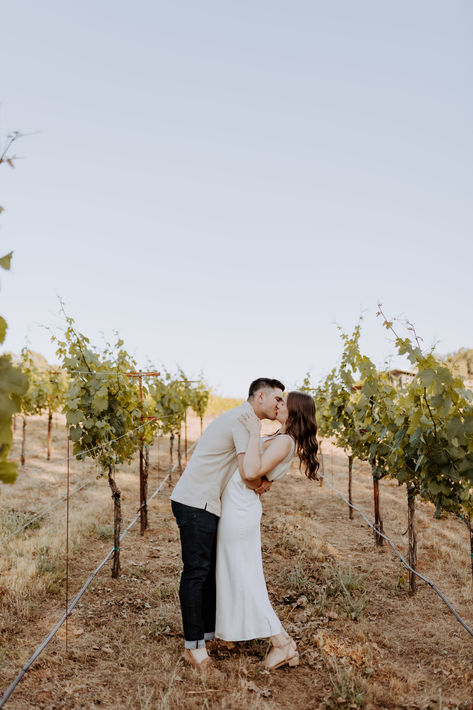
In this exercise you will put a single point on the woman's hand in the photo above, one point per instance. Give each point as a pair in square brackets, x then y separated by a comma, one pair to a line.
[264, 486]
[251, 422]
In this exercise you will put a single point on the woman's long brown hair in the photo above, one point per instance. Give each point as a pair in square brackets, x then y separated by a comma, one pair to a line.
[302, 426]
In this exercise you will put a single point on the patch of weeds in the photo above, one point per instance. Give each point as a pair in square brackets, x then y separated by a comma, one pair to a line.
[166, 591]
[48, 563]
[3, 656]
[11, 520]
[348, 688]
[285, 541]
[145, 697]
[347, 580]
[321, 602]
[348, 584]
[140, 571]
[296, 582]
[159, 628]
[402, 582]
[104, 531]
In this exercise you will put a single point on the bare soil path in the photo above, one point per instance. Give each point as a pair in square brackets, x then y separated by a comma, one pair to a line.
[364, 641]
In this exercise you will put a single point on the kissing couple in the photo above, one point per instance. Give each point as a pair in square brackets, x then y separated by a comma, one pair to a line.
[217, 507]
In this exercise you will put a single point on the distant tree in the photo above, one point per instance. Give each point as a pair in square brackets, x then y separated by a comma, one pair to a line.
[461, 362]
[35, 399]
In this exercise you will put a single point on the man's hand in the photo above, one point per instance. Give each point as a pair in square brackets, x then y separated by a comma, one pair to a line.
[264, 486]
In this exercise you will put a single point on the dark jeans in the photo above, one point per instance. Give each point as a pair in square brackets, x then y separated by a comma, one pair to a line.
[198, 531]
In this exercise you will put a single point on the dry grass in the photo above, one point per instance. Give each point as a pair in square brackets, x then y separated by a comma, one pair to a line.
[364, 641]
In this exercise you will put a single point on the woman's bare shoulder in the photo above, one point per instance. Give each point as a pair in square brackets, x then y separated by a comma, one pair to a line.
[281, 442]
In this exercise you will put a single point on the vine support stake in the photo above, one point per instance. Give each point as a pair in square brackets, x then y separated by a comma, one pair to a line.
[350, 475]
[411, 527]
[23, 439]
[67, 537]
[322, 463]
[179, 456]
[185, 437]
[378, 523]
[50, 425]
[470, 527]
[171, 448]
[143, 505]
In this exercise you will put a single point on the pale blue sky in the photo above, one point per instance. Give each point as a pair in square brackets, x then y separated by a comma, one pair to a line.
[222, 181]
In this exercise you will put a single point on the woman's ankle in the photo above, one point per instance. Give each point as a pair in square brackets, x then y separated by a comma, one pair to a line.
[280, 640]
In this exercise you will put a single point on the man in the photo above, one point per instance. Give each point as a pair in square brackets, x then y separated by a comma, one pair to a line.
[195, 503]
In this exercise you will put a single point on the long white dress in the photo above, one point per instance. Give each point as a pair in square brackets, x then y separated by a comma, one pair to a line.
[243, 608]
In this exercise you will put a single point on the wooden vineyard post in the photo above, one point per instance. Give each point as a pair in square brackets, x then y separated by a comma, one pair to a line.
[67, 536]
[411, 527]
[171, 446]
[185, 437]
[470, 528]
[322, 465]
[143, 506]
[350, 475]
[117, 519]
[146, 472]
[378, 523]
[23, 438]
[179, 457]
[50, 425]
[469, 525]
[144, 489]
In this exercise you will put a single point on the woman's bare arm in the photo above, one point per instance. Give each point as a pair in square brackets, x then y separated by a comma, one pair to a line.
[255, 464]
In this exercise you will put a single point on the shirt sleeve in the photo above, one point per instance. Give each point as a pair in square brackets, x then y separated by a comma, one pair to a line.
[241, 437]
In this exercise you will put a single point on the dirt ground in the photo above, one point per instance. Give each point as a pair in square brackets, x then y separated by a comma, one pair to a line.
[364, 640]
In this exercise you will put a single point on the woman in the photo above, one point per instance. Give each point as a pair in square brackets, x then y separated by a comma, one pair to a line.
[243, 608]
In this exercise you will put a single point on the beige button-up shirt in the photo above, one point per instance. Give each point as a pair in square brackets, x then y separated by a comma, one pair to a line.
[213, 462]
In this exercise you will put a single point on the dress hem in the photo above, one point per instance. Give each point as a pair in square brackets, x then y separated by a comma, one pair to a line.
[263, 635]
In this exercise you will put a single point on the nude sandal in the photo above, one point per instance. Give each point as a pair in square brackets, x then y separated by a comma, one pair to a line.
[284, 651]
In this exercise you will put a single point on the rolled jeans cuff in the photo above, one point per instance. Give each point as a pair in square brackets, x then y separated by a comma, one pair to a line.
[209, 635]
[191, 645]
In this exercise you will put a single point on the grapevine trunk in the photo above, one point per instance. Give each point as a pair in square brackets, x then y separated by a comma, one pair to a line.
[179, 456]
[378, 523]
[185, 437]
[322, 464]
[23, 439]
[350, 474]
[171, 449]
[50, 426]
[143, 504]
[117, 519]
[411, 526]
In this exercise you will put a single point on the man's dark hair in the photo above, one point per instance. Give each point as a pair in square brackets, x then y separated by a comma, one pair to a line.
[262, 383]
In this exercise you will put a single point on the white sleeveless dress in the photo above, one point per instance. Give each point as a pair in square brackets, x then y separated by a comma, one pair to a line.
[243, 608]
